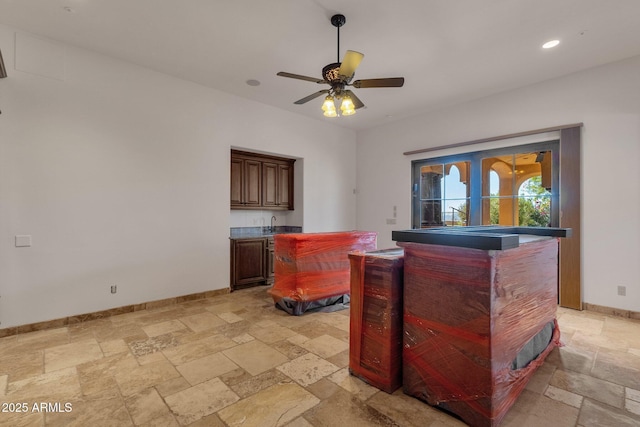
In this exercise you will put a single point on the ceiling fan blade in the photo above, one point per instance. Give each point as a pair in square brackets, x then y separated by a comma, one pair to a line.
[310, 97]
[300, 77]
[350, 62]
[356, 101]
[388, 82]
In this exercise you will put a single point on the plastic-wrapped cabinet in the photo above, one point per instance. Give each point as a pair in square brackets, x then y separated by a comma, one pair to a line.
[469, 315]
[375, 339]
[312, 269]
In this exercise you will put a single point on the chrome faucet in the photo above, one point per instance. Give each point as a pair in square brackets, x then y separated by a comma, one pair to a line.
[273, 219]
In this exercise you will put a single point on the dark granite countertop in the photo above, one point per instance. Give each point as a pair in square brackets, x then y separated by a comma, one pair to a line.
[488, 237]
[256, 232]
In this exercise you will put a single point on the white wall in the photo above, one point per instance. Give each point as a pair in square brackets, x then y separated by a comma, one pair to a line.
[121, 176]
[606, 99]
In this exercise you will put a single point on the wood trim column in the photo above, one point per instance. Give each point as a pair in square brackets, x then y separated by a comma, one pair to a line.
[570, 277]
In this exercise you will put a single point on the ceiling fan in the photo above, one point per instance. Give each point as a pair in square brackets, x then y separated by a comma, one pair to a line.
[338, 76]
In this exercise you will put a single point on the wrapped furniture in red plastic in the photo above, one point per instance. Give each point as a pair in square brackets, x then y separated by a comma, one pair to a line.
[468, 313]
[375, 339]
[312, 269]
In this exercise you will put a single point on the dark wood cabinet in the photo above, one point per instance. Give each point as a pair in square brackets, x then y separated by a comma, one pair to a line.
[252, 262]
[261, 182]
[277, 185]
[246, 182]
[270, 261]
[248, 262]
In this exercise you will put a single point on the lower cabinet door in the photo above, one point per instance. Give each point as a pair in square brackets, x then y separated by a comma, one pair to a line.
[248, 262]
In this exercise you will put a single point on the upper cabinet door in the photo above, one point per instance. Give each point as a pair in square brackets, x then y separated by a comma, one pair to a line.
[269, 184]
[253, 183]
[237, 182]
[285, 186]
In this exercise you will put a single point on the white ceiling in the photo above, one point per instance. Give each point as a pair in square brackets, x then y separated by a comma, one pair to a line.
[449, 51]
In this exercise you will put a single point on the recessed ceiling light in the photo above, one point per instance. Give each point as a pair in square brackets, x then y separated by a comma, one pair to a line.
[550, 44]
[253, 82]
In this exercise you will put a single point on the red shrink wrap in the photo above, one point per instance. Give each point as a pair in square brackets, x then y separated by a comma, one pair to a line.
[312, 269]
[467, 314]
[375, 339]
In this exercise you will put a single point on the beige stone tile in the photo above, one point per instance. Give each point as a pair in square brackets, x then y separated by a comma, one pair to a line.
[127, 331]
[226, 307]
[141, 348]
[632, 394]
[22, 365]
[244, 386]
[297, 339]
[353, 385]
[134, 380]
[3, 384]
[564, 396]
[635, 351]
[197, 349]
[201, 400]
[596, 414]
[342, 409]
[145, 406]
[243, 338]
[299, 422]
[336, 320]
[151, 358]
[540, 379]
[594, 388]
[45, 336]
[98, 376]
[274, 406]
[290, 350]
[589, 341]
[632, 406]
[166, 420]
[341, 360]
[406, 410]
[255, 357]
[323, 388]
[19, 419]
[209, 421]
[325, 346]
[571, 359]
[48, 387]
[163, 328]
[271, 334]
[206, 368]
[172, 386]
[109, 348]
[202, 321]
[307, 369]
[73, 354]
[102, 411]
[581, 322]
[230, 317]
[549, 412]
[618, 367]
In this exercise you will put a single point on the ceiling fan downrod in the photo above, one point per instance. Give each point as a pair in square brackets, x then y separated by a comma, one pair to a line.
[338, 21]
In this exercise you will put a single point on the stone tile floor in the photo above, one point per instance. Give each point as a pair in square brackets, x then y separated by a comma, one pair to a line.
[235, 360]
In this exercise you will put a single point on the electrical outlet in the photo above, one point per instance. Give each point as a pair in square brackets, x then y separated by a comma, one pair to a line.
[391, 221]
[622, 291]
[114, 289]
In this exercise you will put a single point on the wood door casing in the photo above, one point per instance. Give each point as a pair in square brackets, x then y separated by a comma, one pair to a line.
[569, 269]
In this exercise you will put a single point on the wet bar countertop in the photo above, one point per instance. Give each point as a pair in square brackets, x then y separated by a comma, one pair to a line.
[256, 232]
[489, 237]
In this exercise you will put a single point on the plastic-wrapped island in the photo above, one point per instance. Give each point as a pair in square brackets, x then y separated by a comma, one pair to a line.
[479, 312]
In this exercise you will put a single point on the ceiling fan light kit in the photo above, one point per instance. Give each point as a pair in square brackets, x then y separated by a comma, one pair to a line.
[338, 76]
